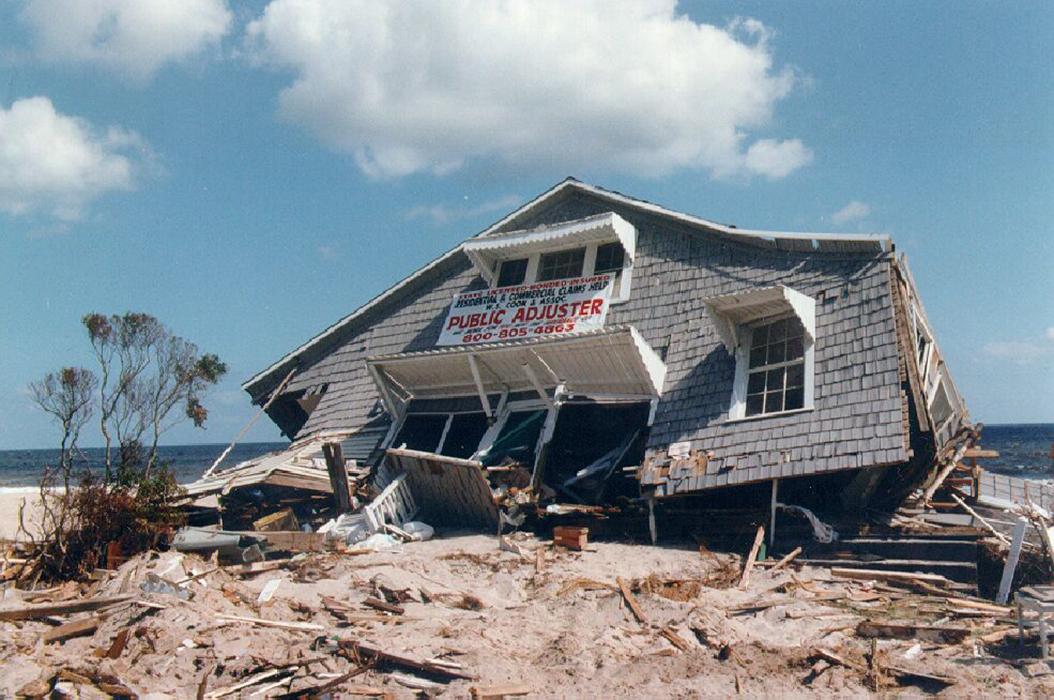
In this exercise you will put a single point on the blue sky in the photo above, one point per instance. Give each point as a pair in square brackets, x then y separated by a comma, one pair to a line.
[251, 172]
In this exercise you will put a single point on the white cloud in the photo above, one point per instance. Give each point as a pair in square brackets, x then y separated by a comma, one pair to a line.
[132, 37]
[444, 213]
[423, 87]
[56, 164]
[1021, 352]
[328, 251]
[776, 159]
[854, 211]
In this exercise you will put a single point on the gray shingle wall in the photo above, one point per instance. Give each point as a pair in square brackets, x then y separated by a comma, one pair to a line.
[857, 420]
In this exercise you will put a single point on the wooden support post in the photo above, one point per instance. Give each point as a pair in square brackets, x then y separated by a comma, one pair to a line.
[752, 556]
[1011, 561]
[338, 476]
[484, 401]
[772, 513]
[651, 520]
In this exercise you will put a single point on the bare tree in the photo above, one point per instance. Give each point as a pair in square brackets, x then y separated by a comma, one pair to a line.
[122, 347]
[68, 396]
[147, 371]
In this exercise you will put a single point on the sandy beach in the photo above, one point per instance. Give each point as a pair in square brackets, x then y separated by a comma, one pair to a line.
[11, 499]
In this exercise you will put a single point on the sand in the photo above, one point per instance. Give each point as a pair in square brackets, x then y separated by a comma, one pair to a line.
[10, 500]
[562, 630]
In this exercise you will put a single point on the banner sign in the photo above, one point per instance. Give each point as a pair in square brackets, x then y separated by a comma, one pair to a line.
[536, 310]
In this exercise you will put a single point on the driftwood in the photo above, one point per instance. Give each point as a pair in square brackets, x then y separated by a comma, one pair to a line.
[379, 604]
[899, 576]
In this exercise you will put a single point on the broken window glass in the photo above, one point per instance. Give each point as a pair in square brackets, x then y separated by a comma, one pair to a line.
[517, 440]
[462, 439]
[421, 432]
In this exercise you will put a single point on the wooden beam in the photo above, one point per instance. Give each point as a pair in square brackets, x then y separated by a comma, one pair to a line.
[483, 400]
[752, 556]
[35, 612]
[1011, 561]
[77, 628]
[786, 560]
[631, 601]
[338, 475]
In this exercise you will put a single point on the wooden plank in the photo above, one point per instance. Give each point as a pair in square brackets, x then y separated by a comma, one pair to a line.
[77, 628]
[369, 652]
[943, 635]
[278, 521]
[752, 556]
[905, 576]
[977, 516]
[786, 560]
[978, 453]
[35, 612]
[306, 626]
[338, 475]
[378, 604]
[631, 601]
[1011, 561]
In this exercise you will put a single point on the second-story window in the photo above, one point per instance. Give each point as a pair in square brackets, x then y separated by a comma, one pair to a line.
[610, 258]
[512, 272]
[561, 265]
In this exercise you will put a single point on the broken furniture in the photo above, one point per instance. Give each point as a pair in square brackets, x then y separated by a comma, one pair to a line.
[1038, 600]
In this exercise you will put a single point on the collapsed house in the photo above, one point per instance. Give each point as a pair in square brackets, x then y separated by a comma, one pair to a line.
[592, 348]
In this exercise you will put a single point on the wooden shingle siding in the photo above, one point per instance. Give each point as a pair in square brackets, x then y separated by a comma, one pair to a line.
[859, 411]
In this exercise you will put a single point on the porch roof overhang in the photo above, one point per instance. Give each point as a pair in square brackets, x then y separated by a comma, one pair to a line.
[611, 361]
[730, 310]
[486, 252]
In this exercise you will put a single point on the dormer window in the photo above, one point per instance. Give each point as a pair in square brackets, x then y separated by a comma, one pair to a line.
[599, 244]
[512, 272]
[561, 265]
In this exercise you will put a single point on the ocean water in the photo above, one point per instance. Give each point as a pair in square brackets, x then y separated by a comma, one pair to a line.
[1024, 450]
[21, 468]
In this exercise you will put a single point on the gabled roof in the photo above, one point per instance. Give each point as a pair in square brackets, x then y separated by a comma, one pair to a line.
[780, 240]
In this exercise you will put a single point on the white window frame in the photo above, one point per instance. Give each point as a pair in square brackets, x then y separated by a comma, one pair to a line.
[744, 334]
[623, 281]
[487, 441]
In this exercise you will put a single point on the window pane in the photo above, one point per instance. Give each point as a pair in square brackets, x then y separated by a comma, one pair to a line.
[774, 382]
[777, 331]
[795, 399]
[777, 352]
[794, 327]
[512, 272]
[561, 264]
[795, 375]
[795, 349]
[517, 440]
[609, 258]
[421, 432]
[756, 383]
[466, 430]
[760, 336]
[773, 401]
[757, 356]
[755, 404]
